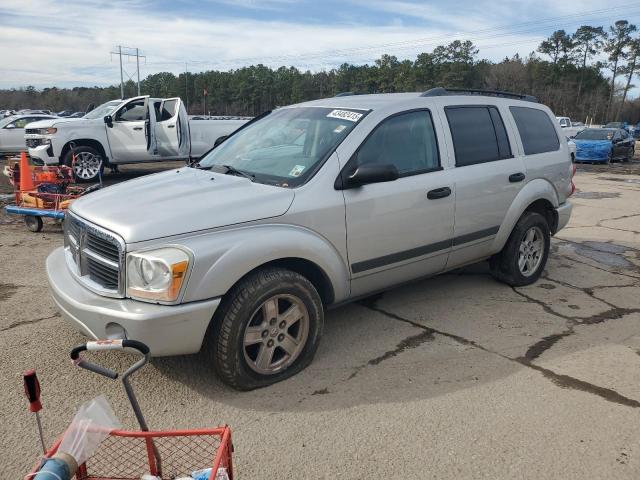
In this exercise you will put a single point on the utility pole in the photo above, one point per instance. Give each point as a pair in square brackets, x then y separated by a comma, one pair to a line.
[186, 87]
[120, 53]
[121, 78]
[138, 68]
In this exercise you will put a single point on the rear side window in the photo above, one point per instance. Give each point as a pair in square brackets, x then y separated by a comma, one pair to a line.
[478, 133]
[536, 130]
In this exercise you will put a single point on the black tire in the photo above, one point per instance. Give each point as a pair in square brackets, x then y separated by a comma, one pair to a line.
[84, 175]
[504, 265]
[239, 307]
[629, 155]
[33, 223]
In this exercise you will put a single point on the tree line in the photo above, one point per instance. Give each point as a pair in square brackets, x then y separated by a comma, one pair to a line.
[587, 74]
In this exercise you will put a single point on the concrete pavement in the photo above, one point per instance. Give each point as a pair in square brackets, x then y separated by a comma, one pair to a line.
[452, 377]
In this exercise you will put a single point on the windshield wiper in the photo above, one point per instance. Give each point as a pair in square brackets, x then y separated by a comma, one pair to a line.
[234, 171]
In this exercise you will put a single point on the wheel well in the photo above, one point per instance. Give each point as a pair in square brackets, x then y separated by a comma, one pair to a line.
[84, 142]
[545, 208]
[310, 271]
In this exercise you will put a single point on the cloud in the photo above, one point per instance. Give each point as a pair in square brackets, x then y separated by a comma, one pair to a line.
[68, 43]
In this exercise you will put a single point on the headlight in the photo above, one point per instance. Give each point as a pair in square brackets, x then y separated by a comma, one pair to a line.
[156, 274]
[48, 131]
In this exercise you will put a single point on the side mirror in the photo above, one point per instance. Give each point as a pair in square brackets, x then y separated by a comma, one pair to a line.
[219, 140]
[372, 173]
[108, 120]
[11, 126]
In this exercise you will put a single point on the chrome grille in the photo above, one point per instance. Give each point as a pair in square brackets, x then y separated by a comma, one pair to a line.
[95, 256]
[31, 131]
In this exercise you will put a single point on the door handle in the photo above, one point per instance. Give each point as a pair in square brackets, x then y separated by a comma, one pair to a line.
[516, 177]
[171, 126]
[137, 128]
[438, 193]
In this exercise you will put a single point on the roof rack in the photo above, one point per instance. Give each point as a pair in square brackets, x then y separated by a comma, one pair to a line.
[441, 92]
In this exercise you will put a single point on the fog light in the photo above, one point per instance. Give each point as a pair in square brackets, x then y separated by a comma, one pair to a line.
[115, 331]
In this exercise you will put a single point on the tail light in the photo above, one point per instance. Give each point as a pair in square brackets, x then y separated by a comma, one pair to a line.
[573, 174]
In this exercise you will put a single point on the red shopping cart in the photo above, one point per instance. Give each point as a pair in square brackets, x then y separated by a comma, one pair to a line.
[127, 455]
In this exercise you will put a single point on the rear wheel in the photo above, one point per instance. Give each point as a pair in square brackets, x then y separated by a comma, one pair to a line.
[524, 257]
[88, 164]
[267, 329]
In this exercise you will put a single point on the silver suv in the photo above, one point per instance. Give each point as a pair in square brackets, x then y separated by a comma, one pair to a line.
[309, 206]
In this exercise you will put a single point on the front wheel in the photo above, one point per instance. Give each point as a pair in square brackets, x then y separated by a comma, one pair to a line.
[88, 164]
[524, 257]
[266, 329]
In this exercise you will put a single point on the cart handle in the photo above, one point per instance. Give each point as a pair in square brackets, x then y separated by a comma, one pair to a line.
[101, 345]
[121, 344]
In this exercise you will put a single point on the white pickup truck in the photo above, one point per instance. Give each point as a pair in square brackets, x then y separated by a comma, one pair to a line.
[569, 128]
[139, 129]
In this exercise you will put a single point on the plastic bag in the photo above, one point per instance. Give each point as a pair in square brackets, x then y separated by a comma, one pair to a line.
[91, 425]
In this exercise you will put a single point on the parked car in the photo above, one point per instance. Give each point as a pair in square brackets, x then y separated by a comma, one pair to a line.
[622, 125]
[569, 128]
[604, 145]
[77, 115]
[123, 131]
[65, 113]
[12, 131]
[308, 207]
[572, 148]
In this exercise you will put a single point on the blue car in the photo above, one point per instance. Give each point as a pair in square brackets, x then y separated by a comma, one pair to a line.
[604, 145]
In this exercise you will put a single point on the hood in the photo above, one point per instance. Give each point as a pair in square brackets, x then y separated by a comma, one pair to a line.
[180, 201]
[52, 122]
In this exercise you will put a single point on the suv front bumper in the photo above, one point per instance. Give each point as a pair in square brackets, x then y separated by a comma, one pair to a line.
[44, 154]
[166, 329]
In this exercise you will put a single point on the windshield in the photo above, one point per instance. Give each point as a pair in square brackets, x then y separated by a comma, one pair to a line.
[594, 134]
[287, 146]
[103, 110]
[7, 120]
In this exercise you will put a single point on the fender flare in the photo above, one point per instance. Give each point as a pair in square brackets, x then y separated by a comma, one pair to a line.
[221, 260]
[88, 141]
[535, 190]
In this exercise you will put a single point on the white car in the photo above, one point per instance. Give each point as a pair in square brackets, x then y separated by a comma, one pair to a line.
[12, 131]
[134, 130]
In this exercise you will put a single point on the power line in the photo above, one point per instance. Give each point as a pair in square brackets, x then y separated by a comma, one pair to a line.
[120, 53]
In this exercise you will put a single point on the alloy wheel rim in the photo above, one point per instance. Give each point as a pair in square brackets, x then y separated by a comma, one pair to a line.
[87, 165]
[531, 251]
[276, 334]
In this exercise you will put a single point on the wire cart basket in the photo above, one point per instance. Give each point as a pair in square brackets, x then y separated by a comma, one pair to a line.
[128, 455]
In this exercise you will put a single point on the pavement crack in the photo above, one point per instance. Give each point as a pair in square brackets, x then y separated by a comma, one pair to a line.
[541, 346]
[28, 322]
[542, 304]
[566, 381]
[563, 381]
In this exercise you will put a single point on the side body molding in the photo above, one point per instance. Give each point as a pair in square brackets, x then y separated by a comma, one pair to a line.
[224, 257]
[537, 189]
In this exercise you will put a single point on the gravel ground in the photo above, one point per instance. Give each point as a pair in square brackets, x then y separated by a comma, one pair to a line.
[452, 377]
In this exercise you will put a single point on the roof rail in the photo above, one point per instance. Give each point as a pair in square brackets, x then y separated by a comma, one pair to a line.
[441, 92]
[346, 94]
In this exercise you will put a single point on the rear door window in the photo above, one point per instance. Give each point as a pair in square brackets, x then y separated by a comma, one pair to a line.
[537, 132]
[478, 134]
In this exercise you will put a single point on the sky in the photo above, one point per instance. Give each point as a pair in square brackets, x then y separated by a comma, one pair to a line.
[67, 43]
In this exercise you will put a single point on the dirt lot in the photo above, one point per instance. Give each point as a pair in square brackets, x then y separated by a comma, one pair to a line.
[452, 377]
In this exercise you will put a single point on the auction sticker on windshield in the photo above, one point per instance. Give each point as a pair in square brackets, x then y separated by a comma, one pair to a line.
[345, 115]
[296, 171]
